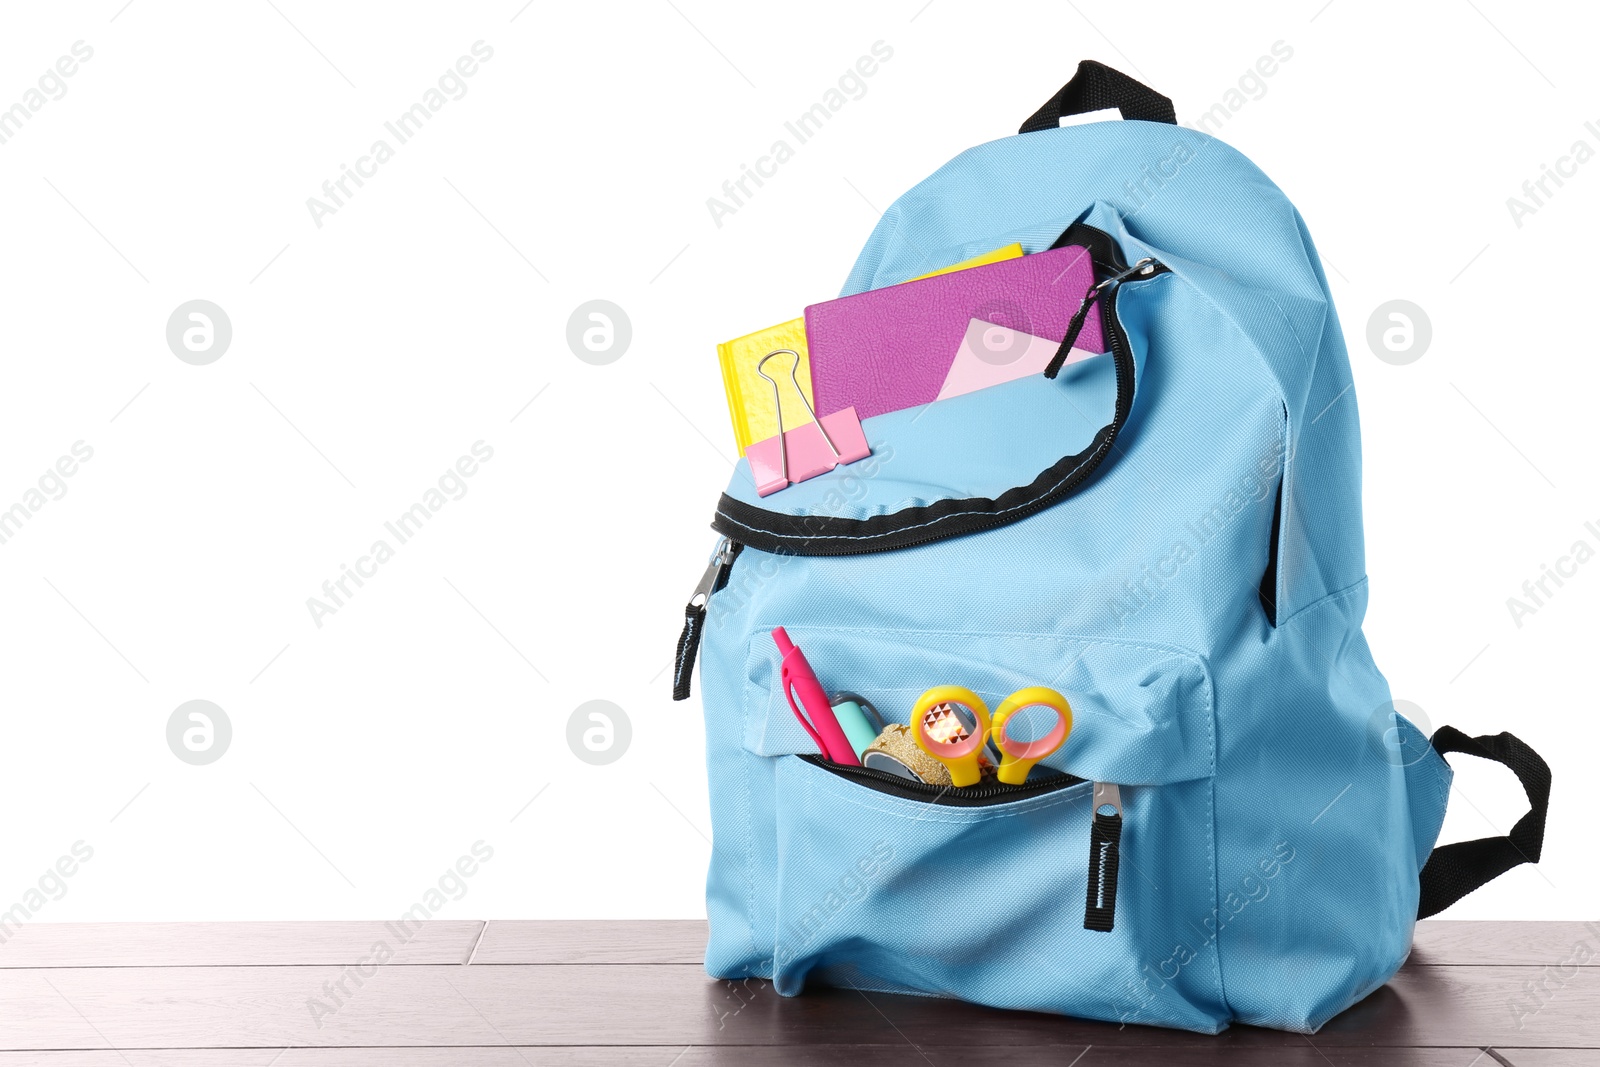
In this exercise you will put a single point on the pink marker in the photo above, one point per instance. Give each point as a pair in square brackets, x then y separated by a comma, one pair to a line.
[813, 710]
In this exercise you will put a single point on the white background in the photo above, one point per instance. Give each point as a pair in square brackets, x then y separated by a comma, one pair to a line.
[368, 354]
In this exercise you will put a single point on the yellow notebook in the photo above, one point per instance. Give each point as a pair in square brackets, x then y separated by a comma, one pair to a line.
[1011, 251]
[750, 395]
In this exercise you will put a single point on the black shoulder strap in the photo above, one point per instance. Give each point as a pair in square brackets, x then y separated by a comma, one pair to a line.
[1096, 87]
[1455, 870]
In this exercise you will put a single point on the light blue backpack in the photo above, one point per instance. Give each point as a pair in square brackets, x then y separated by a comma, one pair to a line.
[1239, 827]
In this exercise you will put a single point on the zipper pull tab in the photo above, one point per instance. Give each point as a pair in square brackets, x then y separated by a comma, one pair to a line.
[1105, 839]
[721, 557]
[694, 616]
[1144, 268]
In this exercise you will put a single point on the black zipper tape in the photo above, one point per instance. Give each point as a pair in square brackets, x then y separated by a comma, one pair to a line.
[834, 535]
[1105, 831]
[972, 796]
[1105, 842]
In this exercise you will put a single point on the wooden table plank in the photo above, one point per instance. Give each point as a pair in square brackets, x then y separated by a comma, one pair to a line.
[536, 941]
[234, 944]
[674, 1004]
[1477, 944]
[807, 1056]
[1438, 942]
[557, 988]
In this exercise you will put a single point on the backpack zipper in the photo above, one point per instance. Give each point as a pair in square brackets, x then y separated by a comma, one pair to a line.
[694, 615]
[1105, 854]
[727, 550]
[1103, 293]
[972, 796]
[1145, 268]
[1105, 826]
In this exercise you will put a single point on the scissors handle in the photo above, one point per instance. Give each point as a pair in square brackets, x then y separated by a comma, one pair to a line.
[1018, 757]
[938, 731]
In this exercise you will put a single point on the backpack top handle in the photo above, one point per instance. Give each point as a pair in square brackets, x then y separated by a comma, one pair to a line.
[1096, 87]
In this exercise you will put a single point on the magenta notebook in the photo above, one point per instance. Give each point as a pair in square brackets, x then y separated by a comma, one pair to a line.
[889, 349]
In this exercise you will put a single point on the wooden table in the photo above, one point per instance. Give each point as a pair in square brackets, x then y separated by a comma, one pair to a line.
[503, 994]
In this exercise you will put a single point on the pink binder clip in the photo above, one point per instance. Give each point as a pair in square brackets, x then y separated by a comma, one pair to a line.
[805, 451]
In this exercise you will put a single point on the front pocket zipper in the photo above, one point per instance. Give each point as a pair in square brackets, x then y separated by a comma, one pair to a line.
[973, 796]
[1105, 827]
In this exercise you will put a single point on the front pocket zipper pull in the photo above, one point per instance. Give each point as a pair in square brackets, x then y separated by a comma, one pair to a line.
[1105, 838]
[1144, 268]
[694, 616]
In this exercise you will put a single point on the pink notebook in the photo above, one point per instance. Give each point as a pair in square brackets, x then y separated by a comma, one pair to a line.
[889, 349]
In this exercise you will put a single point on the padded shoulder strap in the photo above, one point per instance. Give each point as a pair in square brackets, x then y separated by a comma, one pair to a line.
[1455, 870]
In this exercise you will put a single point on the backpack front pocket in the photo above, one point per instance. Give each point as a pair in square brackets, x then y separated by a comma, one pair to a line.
[985, 893]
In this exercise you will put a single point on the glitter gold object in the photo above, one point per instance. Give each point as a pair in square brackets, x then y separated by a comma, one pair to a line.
[895, 741]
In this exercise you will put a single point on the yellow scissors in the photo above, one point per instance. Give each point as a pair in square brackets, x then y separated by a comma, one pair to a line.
[937, 727]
